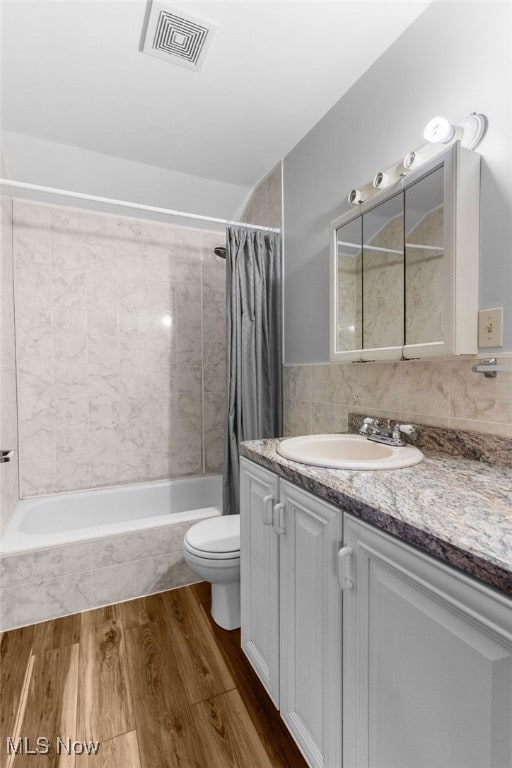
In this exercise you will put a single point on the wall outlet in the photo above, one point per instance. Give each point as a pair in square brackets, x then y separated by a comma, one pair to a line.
[490, 327]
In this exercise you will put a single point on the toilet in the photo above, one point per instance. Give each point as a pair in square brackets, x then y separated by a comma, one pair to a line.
[212, 549]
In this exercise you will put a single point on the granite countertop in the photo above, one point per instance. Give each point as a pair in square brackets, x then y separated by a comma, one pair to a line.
[456, 509]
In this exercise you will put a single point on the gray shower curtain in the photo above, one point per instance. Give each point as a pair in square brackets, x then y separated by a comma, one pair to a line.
[254, 364]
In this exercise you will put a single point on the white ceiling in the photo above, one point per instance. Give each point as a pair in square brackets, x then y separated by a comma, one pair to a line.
[72, 73]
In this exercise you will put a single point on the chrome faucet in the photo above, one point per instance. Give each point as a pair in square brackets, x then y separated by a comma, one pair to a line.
[370, 427]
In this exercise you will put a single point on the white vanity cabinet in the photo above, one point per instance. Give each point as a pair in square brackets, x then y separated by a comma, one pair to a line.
[310, 612]
[259, 574]
[427, 661]
[355, 633]
[291, 625]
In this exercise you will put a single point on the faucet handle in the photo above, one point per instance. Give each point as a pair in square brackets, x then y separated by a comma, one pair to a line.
[407, 429]
[368, 423]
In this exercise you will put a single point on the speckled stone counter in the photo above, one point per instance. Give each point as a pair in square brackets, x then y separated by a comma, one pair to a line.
[456, 509]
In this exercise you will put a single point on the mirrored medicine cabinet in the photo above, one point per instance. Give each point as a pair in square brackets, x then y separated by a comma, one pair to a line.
[404, 266]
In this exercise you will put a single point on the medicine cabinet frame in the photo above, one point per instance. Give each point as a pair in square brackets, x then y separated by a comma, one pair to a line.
[461, 198]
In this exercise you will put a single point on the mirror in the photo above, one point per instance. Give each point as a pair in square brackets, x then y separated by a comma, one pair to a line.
[383, 271]
[404, 265]
[424, 260]
[349, 286]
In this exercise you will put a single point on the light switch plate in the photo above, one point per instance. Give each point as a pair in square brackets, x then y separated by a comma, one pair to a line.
[490, 327]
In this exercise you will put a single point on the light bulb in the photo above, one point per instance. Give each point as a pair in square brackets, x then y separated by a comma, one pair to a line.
[439, 130]
[355, 197]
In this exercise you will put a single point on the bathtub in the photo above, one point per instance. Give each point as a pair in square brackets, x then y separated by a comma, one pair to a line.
[69, 552]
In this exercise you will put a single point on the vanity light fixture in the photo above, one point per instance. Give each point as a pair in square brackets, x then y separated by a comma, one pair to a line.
[355, 197]
[469, 131]
[380, 180]
[439, 133]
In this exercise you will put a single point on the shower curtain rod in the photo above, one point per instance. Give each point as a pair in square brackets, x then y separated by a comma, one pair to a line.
[126, 204]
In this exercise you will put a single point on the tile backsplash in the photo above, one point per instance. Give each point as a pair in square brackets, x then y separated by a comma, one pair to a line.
[444, 393]
[120, 334]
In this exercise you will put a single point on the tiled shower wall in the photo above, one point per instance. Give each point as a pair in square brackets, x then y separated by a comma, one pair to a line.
[264, 206]
[120, 335]
[445, 393]
[8, 406]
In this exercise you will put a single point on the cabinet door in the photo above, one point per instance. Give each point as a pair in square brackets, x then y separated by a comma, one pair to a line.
[259, 574]
[427, 661]
[311, 625]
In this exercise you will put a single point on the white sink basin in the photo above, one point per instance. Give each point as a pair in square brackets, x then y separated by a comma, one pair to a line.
[347, 452]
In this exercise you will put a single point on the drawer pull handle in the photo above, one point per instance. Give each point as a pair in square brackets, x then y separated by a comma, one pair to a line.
[345, 579]
[266, 510]
[278, 519]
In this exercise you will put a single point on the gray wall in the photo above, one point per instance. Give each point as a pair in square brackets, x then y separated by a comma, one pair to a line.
[453, 60]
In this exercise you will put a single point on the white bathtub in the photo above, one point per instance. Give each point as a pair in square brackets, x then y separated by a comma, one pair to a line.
[63, 518]
[70, 552]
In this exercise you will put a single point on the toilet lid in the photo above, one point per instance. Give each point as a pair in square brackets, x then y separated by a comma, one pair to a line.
[217, 534]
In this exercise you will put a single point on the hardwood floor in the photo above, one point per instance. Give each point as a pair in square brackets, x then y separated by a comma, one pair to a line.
[154, 680]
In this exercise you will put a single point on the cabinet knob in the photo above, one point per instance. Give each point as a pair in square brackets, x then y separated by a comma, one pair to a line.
[278, 519]
[345, 568]
[266, 510]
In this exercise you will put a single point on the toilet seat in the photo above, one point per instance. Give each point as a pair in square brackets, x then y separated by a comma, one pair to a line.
[232, 555]
[217, 538]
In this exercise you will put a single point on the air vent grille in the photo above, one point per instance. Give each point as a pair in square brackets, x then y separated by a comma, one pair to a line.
[176, 38]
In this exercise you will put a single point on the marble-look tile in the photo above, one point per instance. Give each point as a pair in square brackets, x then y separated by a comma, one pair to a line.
[112, 551]
[102, 306]
[322, 383]
[322, 418]
[134, 309]
[37, 410]
[38, 469]
[425, 388]
[183, 573]
[113, 584]
[22, 568]
[474, 397]
[104, 468]
[72, 412]
[155, 574]
[103, 424]
[349, 384]
[133, 367]
[297, 417]
[69, 303]
[158, 541]
[33, 293]
[134, 422]
[22, 605]
[381, 385]
[69, 559]
[32, 242]
[134, 462]
[68, 594]
[299, 378]
[70, 367]
[214, 430]
[188, 434]
[72, 456]
[187, 374]
[160, 356]
[274, 197]
[259, 205]
[161, 424]
[103, 366]
[161, 295]
[340, 422]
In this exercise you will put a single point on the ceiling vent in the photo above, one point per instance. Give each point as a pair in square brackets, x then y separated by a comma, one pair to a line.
[176, 38]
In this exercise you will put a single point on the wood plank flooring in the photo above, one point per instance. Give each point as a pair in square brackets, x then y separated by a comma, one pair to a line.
[154, 680]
